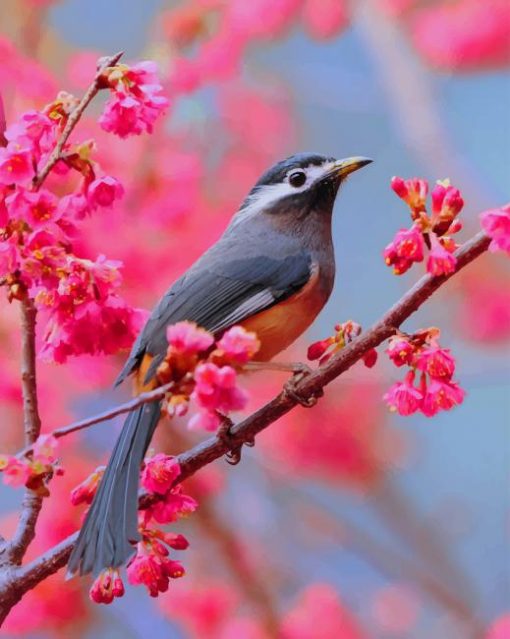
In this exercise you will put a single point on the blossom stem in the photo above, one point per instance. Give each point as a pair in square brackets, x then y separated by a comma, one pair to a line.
[75, 116]
[32, 502]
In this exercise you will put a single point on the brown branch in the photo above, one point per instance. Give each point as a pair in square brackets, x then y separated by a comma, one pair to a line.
[143, 398]
[20, 580]
[32, 502]
[214, 447]
[74, 118]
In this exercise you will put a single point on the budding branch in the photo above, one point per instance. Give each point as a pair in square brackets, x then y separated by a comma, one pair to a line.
[74, 117]
[19, 579]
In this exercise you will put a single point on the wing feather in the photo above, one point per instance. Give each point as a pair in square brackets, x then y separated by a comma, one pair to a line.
[219, 298]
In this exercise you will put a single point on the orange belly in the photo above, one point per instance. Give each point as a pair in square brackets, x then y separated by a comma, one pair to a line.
[279, 326]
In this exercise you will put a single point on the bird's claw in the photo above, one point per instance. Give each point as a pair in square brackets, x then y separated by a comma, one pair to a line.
[300, 372]
[233, 456]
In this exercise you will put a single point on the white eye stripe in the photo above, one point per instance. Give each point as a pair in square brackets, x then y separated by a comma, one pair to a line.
[265, 196]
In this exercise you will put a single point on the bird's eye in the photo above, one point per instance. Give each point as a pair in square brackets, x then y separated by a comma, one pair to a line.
[297, 178]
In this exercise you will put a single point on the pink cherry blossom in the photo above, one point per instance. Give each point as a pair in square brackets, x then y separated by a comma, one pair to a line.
[317, 349]
[45, 449]
[496, 223]
[74, 206]
[159, 473]
[404, 397]
[174, 505]
[84, 492]
[441, 395]
[122, 116]
[413, 191]
[15, 165]
[136, 101]
[238, 345]
[189, 339]
[216, 388]
[9, 258]
[35, 131]
[447, 202]
[406, 248]
[400, 351]
[437, 362]
[104, 191]
[107, 586]
[152, 569]
[15, 471]
[440, 261]
[36, 208]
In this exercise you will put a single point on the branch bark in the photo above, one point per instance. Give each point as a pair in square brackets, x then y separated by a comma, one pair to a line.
[20, 580]
[214, 447]
[32, 502]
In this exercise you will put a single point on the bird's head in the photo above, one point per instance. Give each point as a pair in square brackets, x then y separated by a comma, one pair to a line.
[299, 185]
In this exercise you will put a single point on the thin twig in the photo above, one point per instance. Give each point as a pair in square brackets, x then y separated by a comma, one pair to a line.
[143, 398]
[213, 448]
[74, 118]
[32, 502]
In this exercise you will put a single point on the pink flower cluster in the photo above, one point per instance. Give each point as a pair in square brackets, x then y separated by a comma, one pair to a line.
[107, 586]
[151, 565]
[206, 372]
[37, 232]
[496, 223]
[428, 232]
[435, 391]
[33, 471]
[344, 333]
[136, 101]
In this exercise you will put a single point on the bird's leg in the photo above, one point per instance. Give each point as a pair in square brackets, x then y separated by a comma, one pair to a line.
[286, 367]
[234, 454]
[299, 371]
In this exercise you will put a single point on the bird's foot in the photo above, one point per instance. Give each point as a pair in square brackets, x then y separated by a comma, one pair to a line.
[233, 456]
[301, 371]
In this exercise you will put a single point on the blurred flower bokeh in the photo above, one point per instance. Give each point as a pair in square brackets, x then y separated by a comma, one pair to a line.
[345, 521]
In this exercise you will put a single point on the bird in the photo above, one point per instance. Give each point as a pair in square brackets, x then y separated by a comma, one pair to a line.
[271, 272]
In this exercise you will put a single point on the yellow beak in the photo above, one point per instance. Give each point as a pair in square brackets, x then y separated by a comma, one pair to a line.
[342, 168]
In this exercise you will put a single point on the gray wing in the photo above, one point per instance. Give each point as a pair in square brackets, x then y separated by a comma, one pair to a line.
[218, 299]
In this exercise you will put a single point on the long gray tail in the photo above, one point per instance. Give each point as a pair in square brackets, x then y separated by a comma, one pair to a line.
[112, 522]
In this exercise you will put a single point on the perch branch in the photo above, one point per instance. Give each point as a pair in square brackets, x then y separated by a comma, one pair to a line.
[19, 580]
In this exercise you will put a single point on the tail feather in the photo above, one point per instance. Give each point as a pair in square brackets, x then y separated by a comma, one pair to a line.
[111, 523]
